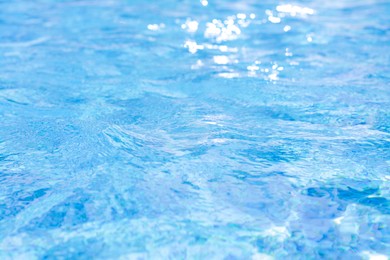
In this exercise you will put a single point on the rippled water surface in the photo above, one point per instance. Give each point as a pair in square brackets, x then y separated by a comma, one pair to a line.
[194, 129]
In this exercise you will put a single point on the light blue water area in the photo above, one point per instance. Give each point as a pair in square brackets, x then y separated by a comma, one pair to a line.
[186, 129]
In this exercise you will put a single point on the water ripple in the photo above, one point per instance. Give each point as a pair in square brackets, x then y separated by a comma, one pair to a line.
[194, 129]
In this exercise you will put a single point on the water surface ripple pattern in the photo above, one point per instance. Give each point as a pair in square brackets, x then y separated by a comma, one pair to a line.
[194, 129]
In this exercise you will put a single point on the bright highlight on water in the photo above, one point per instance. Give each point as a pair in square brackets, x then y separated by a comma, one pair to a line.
[194, 129]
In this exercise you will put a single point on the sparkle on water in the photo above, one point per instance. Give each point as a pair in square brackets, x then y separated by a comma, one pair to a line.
[216, 129]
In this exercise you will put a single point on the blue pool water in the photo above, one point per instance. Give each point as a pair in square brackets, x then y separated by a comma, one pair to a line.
[194, 129]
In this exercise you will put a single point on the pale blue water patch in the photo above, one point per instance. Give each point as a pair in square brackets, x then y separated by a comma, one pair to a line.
[194, 129]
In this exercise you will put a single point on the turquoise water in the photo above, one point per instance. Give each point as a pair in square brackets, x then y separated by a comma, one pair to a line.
[194, 129]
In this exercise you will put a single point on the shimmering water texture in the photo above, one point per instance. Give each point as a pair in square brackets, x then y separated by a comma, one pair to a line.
[194, 129]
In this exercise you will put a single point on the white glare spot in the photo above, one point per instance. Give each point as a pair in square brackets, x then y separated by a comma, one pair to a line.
[374, 256]
[197, 65]
[219, 140]
[222, 31]
[155, 27]
[221, 60]
[273, 76]
[253, 68]
[212, 30]
[274, 19]
[190, 26]
[252, 16]
[309, 38]
[228, 75]
[192, 46]
[293, 10]
[280, 233]
[223, 48]
[338, 220]
[241, 16]
[204, 2]
[287, 28]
